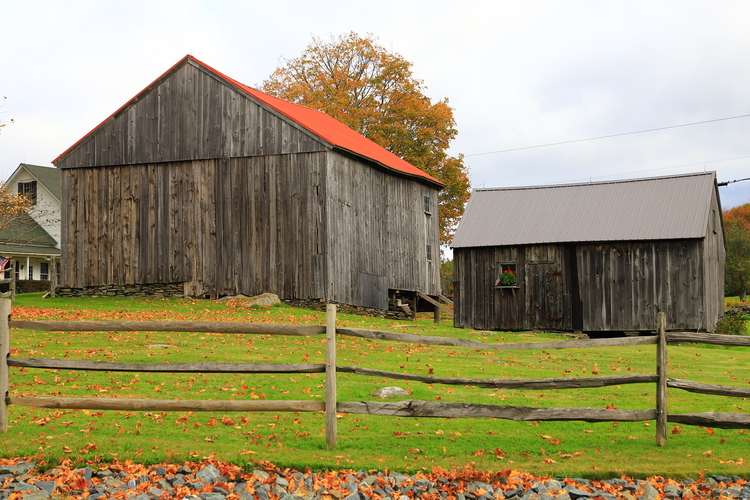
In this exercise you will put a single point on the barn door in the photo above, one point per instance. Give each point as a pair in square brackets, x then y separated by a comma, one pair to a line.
[544, 296]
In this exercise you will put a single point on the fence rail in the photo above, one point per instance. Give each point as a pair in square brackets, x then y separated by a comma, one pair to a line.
[408, 408]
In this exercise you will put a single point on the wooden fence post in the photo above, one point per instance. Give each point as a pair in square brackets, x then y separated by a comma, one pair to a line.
[331, 403]
[661, 384]
[4, 371]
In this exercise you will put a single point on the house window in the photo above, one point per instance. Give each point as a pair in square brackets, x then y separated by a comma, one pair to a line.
[44, 271]
[31, 272]
[28, 189]
[508, 275]
[18, 271]
[429, 252]
[427, 205]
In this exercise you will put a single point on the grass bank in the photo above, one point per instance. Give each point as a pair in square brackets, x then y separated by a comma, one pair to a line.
[365, 442]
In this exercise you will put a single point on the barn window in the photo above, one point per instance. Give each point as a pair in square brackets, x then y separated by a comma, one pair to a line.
[429, 252]
[714, 222]
[28, 189]
[507, 276]
[427, 205]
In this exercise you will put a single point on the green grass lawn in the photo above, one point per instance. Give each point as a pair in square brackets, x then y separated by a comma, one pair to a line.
[297, 440]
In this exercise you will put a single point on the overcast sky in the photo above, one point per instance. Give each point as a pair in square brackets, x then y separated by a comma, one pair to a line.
[518, 75]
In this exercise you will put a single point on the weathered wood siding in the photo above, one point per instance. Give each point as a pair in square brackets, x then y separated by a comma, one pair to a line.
[541, 300]
[478, 304]
[189, 115]
[240, 225]
[714, 257]
[378, 233]
[618, 286]
[624, 285]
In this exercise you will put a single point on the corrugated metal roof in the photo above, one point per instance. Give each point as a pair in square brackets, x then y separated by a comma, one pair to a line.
[317, 122]
[639, 209]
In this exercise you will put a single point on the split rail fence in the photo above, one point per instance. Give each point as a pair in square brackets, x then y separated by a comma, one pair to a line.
[406, 408]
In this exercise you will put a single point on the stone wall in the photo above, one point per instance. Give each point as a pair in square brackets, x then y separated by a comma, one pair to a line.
[320, 305]
[150, 290]
[740, 310]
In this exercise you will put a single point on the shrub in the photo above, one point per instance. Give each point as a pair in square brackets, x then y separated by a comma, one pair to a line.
[26, 286]
[732, 325]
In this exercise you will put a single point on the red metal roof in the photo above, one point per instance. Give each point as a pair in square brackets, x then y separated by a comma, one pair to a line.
[317, 122]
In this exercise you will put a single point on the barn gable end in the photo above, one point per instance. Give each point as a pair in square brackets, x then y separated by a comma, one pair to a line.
[189, 113]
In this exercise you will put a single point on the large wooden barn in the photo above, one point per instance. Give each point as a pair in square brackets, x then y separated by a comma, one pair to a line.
[205, 182]
[593, 257]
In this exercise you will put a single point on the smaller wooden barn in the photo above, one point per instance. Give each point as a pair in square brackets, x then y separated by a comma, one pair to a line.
[593, 257]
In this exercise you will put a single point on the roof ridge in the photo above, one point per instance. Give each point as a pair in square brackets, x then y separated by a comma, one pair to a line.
[597, 183]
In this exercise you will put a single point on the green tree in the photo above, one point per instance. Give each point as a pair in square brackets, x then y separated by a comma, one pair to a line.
[373, 91]
[446, 276]
[737, 268]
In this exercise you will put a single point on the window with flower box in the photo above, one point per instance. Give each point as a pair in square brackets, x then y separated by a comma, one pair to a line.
[508, 278]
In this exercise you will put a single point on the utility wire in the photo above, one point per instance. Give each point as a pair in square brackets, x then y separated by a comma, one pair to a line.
[607, 136]
[657, 169]
[731, 182]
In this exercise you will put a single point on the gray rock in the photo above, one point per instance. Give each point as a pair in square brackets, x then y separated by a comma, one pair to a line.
[283, 482]
[46, 485]
[304, 494]
[262, 300]
[389, 392]
[38, 495]
[231, 297]
[576, 493]
[164, 484]
[208, 474]
[105, 473]
[553, 485]
[261, 475]
[20, 487]
[155, 492]
[513, 493]
[211, 496]
[649, 492]
[17, 469]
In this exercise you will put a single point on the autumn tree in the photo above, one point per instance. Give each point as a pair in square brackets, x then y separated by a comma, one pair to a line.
[16, 225]
[373, 91]
[737, 268]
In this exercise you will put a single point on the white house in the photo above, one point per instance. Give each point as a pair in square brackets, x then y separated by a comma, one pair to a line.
[33, 243]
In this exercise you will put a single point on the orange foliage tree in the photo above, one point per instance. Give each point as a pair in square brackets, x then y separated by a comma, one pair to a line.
[373, 91]
[737, 269]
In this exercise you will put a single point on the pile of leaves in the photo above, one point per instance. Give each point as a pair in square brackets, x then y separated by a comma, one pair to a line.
[466, 482]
